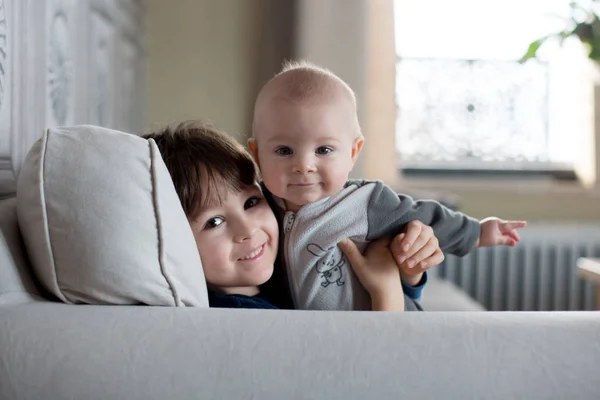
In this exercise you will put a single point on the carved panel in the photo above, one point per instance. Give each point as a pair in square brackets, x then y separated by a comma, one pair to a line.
[66, 62]
[30, 77]
[3, 50]
[116, 41]
[101, 77]
[60, 57]
[7, 174]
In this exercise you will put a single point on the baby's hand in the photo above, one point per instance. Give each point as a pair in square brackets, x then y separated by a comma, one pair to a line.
[416, 251]
[495, 232]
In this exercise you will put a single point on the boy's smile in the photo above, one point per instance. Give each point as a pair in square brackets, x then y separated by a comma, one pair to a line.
[255, 254]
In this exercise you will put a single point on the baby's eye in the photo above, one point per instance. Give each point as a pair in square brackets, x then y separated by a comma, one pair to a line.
[252, 202]
[283, 151]
[323, 150]
[213, 222]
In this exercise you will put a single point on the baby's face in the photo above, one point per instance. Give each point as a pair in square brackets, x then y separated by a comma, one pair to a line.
[305, 150]
[237, 240]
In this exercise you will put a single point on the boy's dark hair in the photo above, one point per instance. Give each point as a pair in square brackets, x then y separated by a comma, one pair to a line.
[202, 162]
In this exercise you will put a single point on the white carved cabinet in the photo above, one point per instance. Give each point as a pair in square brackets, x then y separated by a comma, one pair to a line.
[67, 62]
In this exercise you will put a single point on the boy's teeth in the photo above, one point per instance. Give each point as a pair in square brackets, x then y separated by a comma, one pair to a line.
[253, 254]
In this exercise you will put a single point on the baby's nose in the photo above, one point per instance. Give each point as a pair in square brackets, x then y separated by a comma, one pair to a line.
[304, 164]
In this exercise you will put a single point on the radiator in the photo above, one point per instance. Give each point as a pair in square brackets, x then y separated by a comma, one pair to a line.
[539, 274]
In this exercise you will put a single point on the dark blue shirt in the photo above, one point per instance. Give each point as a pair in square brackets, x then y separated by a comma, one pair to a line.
[221, 300]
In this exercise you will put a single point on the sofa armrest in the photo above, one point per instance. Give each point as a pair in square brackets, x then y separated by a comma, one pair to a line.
[58, 351]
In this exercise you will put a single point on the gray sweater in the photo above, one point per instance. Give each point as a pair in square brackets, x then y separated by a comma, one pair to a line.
[319, 276]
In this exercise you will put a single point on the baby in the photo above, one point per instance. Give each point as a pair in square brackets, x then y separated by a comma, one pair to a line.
[306, 138]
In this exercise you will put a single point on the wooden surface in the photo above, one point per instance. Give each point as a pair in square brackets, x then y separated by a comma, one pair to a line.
[589, 268]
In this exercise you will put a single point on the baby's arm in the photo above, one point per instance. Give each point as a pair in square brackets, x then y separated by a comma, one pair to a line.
[388, 213]
[378, 273]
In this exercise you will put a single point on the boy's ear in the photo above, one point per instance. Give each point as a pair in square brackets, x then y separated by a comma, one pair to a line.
[253, 149]
[357, 147]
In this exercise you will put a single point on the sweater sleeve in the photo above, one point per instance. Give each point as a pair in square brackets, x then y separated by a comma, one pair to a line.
[415, 292]
[388, 213]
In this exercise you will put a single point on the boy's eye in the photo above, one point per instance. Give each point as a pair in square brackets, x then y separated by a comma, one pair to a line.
[252, 202]
[213, 222]
[283, 151]
[324, 150]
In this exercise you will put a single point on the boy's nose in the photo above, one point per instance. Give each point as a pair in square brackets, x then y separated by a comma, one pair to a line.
[244, 231]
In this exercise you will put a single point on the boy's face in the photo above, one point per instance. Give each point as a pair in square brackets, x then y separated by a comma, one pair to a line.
[237, 241]
[305, 150]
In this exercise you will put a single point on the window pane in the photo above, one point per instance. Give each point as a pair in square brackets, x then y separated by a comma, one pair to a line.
[462, 97]
[471, 111]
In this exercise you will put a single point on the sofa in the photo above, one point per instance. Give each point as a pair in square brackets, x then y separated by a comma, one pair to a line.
[78, 324]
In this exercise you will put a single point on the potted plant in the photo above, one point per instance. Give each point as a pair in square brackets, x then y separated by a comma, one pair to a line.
[583, 24]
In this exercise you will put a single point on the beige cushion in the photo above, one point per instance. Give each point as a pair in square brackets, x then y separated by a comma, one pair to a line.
[102, 223]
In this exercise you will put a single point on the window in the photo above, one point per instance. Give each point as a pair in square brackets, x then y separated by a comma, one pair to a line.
[464, 102]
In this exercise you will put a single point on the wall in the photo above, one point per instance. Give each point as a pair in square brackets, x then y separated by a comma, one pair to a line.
[203, 59]
[332, 34]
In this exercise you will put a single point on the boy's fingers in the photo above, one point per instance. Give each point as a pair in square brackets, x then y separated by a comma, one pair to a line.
[397, 241]
[412, 233]
[423, 247]
[402, 255]
[396, 248]
[435, 259]
[351, 251]
[425, 251]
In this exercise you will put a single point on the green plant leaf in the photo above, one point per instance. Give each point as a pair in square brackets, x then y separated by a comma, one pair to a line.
[533, 49]
[587, 31]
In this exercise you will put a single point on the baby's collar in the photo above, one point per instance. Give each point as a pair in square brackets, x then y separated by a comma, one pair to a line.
[281, 203]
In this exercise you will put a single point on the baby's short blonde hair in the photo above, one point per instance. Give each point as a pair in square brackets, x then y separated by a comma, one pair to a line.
[304, 81]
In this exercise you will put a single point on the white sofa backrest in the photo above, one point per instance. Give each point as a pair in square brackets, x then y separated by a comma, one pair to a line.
[17, 284]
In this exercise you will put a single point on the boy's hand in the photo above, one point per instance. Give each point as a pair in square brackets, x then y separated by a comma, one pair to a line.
[377, 272]
[416, 251]
[495, 232]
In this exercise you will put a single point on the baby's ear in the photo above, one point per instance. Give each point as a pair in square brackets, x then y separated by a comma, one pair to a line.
[357, 147]
[253, 149]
